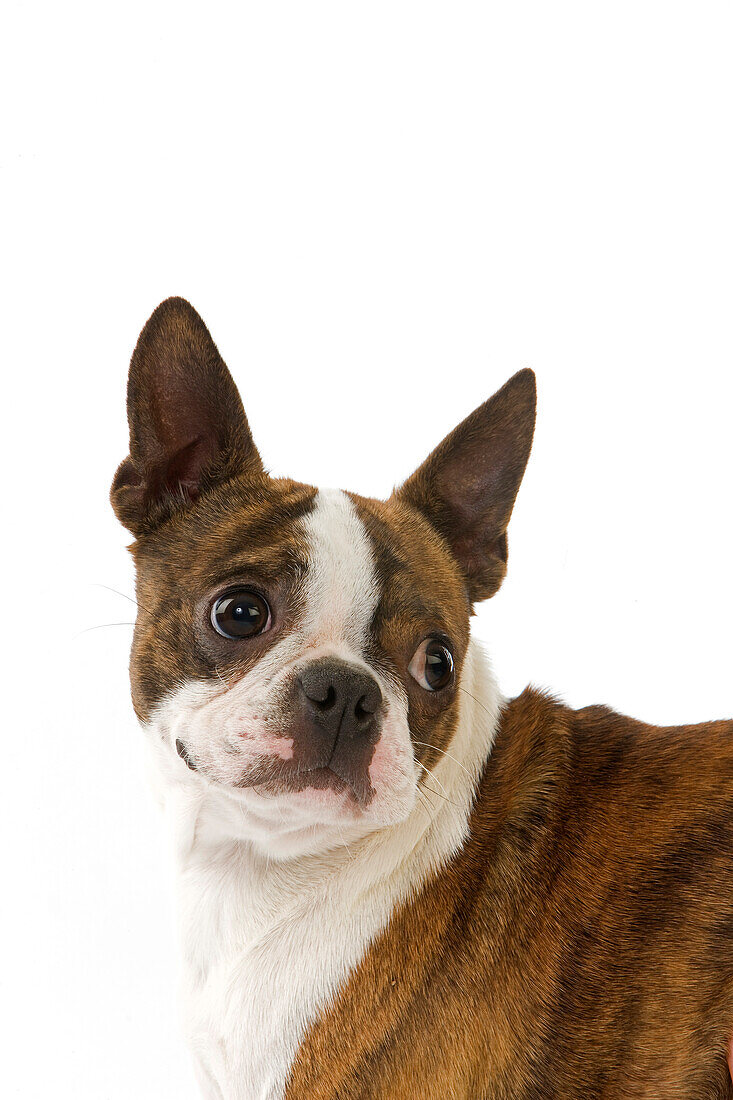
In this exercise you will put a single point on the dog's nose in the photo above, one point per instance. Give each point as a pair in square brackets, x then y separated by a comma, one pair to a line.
[341, 699]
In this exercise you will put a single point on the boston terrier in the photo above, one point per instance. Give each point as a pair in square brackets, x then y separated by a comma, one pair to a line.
[392, 881]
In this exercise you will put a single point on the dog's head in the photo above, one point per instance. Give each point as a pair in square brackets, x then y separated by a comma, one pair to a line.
[299, 651]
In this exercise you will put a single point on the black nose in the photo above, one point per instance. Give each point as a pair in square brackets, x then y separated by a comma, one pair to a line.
[341, 699]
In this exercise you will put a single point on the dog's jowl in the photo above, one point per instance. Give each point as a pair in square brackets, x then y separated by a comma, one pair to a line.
[393, 882]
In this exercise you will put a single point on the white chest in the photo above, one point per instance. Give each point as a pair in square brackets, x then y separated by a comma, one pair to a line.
[260, 961]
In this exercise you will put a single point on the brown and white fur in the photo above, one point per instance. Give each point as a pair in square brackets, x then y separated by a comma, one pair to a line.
[434, 892]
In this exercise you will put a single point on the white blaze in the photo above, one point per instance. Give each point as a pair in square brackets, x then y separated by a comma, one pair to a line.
[342, 589]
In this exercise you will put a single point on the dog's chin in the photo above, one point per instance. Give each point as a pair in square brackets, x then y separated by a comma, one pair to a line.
[315, 779]
[288, 805]
[317, 812]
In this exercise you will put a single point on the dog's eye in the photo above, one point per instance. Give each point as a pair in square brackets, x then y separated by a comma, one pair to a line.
[432, 665]
[240, 614]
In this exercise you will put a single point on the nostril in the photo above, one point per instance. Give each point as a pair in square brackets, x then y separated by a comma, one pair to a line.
[319, 692]
[363, 709]
[327, 702]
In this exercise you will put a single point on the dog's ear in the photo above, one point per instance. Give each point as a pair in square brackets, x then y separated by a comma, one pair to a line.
[467, 487]
[188, 430]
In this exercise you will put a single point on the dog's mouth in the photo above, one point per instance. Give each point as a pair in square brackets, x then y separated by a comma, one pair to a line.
[276, 777]
[293, 781]
[184, 755]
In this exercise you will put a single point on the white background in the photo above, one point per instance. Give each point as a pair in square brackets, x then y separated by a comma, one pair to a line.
[382, 210]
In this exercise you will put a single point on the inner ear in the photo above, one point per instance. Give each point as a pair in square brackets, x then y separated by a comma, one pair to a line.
[188, 429]
[467, 487]
[186, 469]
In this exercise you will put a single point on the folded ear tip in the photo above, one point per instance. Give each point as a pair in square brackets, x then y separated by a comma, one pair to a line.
[126, 495]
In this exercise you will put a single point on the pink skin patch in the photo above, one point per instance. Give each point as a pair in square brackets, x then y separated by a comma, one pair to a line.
[382, 763]
[730, 1057]
[392, 757]
[282, 747]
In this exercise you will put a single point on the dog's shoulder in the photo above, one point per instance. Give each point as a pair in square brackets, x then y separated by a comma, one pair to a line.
[601, 789]
[604, 749]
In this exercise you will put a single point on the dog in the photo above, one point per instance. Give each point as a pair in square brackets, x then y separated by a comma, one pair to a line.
[392, 881]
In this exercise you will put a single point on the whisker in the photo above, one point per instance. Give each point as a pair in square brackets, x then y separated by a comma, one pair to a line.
[425, 805]
[477, 702]
[455, 760]
[439, 795]
[223, 681]
[260, 794]
[99, 626]
[279, 806]
[421, 789]
[445, 795]
[118, 592]
[343, 841]
[432, 776]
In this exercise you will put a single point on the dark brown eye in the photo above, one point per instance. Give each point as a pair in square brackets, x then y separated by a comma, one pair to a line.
[432, 665]
[240, 614]
[438, 665]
